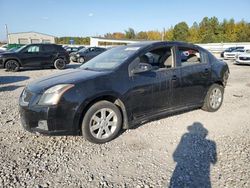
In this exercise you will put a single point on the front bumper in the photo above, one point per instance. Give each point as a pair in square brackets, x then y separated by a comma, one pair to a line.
[34, 120]
[247, 62]
[49, 120]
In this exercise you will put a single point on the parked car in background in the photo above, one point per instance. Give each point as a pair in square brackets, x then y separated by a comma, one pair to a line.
[124, 87]
[232, 55]
[4, 47]
[73, 49]
[230, 49]
[35, 55]
[243, 58]
[86, 54]
[73, 55]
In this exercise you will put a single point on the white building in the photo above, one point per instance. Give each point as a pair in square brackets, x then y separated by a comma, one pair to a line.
[95, 41]
[29, 38]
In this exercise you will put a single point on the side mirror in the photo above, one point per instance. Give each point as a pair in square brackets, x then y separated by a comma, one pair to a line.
[142, 67]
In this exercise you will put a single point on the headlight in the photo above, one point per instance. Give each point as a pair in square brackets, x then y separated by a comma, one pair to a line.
[52, 95]
[77, 55]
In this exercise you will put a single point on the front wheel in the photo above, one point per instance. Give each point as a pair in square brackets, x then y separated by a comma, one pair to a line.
[214, 98]
[60, 64]
[102, 122]
[12, 65]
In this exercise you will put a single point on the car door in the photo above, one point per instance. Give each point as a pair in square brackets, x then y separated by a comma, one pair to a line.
[195, 74]
[169, 96]
[155, 90]
[140, 96]
[48, 53]
[90, 54]
[31, 56]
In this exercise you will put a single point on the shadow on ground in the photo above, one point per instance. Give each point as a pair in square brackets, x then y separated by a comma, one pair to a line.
[69, 66]
[12, 79]
[9, 88]
[193, 155]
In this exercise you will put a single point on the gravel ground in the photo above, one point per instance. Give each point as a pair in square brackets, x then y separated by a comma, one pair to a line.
[193, 149]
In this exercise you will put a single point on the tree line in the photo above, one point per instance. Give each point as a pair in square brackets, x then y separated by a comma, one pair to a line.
[209, 30]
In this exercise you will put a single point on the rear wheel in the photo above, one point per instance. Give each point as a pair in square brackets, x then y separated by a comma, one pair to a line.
[102, 122]
[214, 98]
[12, 65]
[81, 60]
[60, 64]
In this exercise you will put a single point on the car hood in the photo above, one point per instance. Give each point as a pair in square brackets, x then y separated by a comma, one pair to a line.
[71, 76]
[6, 53]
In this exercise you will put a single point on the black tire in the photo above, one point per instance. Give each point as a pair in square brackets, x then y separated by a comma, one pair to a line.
[59, 64]
[81, 60]
[88, 119]
[211, 104]
[12, 65]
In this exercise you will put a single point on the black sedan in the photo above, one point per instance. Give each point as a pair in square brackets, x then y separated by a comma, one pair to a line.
[123, 87]
[35, 55]
[86, 54]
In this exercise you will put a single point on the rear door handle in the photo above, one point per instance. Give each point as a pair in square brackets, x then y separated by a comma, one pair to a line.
[206, 71]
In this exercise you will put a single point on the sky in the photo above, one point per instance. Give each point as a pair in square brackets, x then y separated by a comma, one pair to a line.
[97, 17]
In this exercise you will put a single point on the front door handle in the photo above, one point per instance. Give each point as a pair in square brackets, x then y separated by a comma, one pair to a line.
[174, 77]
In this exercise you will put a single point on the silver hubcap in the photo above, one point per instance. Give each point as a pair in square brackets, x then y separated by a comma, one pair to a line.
[81, 60]
[11, 65]
[103, 123]
[215, 98]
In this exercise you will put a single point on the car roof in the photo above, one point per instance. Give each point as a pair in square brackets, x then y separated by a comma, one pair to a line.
[146, 43]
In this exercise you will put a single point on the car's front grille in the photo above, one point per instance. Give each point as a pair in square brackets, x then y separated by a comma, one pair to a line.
[244, 58]
[230, 54]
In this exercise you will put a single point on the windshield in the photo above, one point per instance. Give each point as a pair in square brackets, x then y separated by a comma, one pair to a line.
[13, 49]
[82, 50]
[19, 49]
[110, 59]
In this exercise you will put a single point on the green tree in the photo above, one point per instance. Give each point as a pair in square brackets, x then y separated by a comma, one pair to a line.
[193, 34]
[169, 34]
[130, 33]
[181, 31]
[142, 35]
[154, 35]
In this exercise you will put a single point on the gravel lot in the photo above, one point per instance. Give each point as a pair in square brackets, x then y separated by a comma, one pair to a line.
[194, 149]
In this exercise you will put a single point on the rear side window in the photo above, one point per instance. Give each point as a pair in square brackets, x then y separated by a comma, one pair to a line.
[189, 56]
[59, 48]
[48, 48]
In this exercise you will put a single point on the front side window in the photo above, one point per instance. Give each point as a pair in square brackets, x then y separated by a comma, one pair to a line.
[33, 49]
[189, 56]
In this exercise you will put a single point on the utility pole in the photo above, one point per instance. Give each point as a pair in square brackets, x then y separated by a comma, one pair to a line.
[163, 34]
[7, 33]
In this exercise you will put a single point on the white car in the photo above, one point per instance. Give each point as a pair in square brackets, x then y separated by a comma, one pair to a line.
[232, 55]
[4, 47]
[243, 58]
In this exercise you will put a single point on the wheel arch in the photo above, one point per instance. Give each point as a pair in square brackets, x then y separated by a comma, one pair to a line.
[108, 97]
[12, 58]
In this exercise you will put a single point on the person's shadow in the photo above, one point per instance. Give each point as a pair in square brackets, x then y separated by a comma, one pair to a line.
[193, 156]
